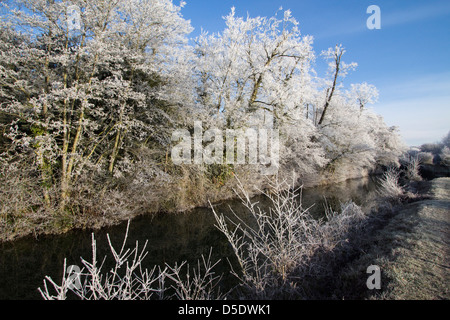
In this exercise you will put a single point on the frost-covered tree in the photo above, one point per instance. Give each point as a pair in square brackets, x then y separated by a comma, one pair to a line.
[80, 97]
[354, 138]
[364, 94]
[446, 140]
[254, 65]
[336, 69]
[344, 137]
[258, 72]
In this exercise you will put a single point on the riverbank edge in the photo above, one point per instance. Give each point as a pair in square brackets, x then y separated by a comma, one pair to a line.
[411, 247]
[36, 226]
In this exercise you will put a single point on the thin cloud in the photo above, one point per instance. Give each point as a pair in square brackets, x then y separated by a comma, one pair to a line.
[410, 15]
[357, 25]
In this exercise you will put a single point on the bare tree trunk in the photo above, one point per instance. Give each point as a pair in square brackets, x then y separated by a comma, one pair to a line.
[115, 151]
[45, 167]
[337, 60]
[255, 93]
[65, 176]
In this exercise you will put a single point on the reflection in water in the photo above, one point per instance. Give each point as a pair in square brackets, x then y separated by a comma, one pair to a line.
[171, 238]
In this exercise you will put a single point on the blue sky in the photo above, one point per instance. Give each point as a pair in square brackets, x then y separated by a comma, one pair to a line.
[408, 59]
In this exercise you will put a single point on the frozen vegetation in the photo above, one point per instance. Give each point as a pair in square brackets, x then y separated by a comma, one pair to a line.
[87, 113]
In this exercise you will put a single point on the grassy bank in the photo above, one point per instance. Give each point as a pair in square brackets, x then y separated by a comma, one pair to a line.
[410, 246]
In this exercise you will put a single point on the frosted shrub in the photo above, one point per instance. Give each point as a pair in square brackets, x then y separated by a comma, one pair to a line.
[24, 202]
[446, 140]
[412, 168]
[340, 223]
[285, 245]
[426, 157]
[445, 156]
[432, 148]
[128, 280]
[270, 251]
[390, 186]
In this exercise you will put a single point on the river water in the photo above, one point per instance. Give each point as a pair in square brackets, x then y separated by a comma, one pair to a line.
[171, 238]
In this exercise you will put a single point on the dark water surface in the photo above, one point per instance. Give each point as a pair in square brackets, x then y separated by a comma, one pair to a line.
[171, 238]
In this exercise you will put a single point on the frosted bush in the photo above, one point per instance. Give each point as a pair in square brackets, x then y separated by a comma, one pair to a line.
[284, 245]
[425, 157]
[129, 280]
[412, 164]
[445, 156]
[390, 186]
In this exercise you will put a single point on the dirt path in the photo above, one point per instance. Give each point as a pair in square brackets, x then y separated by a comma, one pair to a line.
[411, 245]
[419, 265]
[425, 269]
